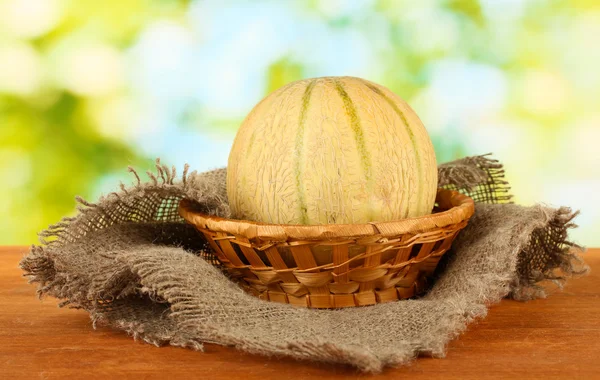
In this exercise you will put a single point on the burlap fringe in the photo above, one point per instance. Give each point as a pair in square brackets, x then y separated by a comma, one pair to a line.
[480, 177]
[38, 265]
[549, 256]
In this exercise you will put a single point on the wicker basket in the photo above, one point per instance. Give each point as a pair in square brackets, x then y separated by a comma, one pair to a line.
[335, 265]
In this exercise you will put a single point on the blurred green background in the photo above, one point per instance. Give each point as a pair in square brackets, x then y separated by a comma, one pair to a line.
[90, 87]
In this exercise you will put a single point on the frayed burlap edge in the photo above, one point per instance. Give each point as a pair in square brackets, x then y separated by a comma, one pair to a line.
[480, 177]
[561, 260]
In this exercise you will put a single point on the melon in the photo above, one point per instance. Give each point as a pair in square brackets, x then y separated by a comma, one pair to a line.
[331, 150]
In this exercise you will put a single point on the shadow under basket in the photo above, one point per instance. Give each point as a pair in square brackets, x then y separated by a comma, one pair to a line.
[334, 265]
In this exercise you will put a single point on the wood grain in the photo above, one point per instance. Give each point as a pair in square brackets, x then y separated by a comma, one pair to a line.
[557, 337]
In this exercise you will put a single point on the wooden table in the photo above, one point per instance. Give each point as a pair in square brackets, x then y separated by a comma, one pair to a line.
[549, 338]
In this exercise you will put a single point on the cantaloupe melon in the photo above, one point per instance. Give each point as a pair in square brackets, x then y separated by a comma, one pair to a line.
[331, 150]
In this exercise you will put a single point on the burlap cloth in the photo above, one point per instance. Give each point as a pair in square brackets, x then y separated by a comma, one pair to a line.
[133, 264]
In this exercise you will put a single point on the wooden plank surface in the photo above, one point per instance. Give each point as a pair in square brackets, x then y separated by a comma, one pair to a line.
[557, 337]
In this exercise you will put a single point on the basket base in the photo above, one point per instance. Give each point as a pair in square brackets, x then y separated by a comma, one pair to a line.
[334, 301]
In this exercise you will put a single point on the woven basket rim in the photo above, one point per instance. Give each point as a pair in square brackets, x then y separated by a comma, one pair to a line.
[459, 208]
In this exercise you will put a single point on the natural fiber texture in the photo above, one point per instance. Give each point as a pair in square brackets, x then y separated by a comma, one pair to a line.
[126, 260]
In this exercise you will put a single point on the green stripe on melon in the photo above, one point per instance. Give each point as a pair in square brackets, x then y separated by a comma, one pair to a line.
[299, 153]
[408, 130]
[331, 150]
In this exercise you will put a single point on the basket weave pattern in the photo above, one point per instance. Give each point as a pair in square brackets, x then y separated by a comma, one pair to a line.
[332, 266]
